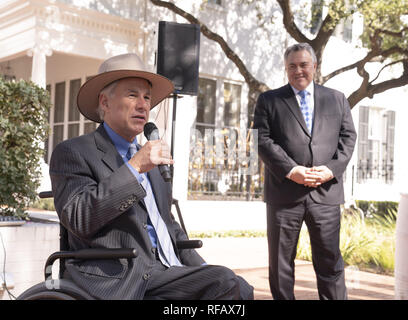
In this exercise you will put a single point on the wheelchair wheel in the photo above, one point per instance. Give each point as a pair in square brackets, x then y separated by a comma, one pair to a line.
[48, 295]
[61, 290]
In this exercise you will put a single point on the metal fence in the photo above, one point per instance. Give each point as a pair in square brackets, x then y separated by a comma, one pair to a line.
[373, 170]
[224, 164]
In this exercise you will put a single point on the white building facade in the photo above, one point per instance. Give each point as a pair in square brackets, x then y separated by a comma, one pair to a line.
[60, 44]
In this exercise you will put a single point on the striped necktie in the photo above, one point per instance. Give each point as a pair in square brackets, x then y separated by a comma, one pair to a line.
[165, 246]
[306, 109]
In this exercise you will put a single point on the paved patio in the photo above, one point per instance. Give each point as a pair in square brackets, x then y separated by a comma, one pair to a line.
[248, 257]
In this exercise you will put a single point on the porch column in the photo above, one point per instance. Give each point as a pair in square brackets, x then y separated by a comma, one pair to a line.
[40, 52]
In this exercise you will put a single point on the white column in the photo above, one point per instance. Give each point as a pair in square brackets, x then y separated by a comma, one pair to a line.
[39, 77]
[38, 70]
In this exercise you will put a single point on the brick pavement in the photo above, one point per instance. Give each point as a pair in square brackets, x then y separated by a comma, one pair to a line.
[248, 257]
[360, 285]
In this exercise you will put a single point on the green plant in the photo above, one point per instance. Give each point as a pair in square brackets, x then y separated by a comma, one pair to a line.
[44, 204]
[23, 127]
[368, 244]
[376, 207]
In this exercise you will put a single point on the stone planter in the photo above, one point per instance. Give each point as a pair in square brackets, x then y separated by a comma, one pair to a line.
[27, 247]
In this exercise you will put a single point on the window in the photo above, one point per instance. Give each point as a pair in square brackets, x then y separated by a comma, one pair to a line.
[66, 122]
[219, 159]
[375, 145]
[344, 29]
[217, 2]
[317, 16]
[232, 104]
[206, 101]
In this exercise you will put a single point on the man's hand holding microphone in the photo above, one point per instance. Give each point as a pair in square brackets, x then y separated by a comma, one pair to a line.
[155, 152]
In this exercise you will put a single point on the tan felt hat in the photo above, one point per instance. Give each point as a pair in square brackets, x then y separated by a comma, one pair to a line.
[127, 65]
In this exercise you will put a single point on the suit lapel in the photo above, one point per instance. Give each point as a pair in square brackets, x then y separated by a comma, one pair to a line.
[113, 160]
[110, 155]
[293, 105]
[318, 109]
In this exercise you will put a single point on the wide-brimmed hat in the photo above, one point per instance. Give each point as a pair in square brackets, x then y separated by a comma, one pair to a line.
[115, 68]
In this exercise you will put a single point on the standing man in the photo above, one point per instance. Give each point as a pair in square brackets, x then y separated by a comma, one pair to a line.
[306, 139]
[109, 193]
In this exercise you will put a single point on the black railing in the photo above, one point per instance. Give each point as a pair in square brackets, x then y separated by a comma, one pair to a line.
[373, 170]
[223, 164]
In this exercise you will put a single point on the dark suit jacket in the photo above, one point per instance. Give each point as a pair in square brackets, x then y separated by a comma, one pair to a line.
[98, 201]
[284, 142]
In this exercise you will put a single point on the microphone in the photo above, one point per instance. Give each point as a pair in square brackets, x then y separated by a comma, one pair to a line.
[152, 133]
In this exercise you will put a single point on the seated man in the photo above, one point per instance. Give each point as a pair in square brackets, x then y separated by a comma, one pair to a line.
[108, 193]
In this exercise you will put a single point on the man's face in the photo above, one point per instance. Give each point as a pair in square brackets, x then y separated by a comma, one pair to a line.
[127, 108]
[300, 69]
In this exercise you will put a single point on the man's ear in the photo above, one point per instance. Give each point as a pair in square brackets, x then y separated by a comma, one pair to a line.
[103, 101]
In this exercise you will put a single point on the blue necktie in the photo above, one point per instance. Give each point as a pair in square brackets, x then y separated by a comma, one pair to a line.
[164, 245]
[306, 109]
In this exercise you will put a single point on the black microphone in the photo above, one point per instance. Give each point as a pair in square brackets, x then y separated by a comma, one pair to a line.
[152, 133]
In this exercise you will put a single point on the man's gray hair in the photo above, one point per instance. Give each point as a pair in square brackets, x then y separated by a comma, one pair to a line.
[299, 47]
[109, 90]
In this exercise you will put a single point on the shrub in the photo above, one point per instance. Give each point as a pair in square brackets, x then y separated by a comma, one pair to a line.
[23, 127]
[368, 244]
[381, 208]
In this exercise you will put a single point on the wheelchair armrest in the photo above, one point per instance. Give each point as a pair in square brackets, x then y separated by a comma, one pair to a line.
[189, 244]
[91, 254]
[45, 194]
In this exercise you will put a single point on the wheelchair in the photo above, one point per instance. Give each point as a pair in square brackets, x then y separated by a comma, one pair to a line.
[65, 289]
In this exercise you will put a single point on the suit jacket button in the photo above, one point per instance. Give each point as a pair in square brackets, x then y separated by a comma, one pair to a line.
[146, 276]
[154, 250]
[144, 225]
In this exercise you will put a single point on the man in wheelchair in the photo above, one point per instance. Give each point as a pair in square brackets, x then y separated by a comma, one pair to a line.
[109, 193]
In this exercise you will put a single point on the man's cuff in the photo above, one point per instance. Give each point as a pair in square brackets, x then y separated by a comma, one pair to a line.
[137, 175]
[290, 173]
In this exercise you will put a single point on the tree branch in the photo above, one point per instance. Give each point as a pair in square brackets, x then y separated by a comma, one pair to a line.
[387, 65]
[370, 90]
[253, 83]
[370, 57]
[289, 22]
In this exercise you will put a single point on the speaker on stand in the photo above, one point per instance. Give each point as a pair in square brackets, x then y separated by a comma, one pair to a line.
[178, 56]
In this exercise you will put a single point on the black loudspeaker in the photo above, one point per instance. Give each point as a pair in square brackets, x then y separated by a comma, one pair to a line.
[178, 55]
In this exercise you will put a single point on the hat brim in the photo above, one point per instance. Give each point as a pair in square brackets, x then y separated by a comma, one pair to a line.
[88, 95]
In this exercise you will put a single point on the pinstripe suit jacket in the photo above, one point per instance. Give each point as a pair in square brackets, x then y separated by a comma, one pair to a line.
[98, 200]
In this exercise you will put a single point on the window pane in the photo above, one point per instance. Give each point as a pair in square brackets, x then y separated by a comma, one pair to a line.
[232, 107]
[48, 88]
[73, 130]
[74, 86]
[89, 127]
[317, 14]
[58, 135]
[59, 102]
[363, 133]
[206, 101]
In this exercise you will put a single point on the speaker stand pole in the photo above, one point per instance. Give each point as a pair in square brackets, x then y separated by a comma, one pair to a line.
[173, 124]
[173, 131]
